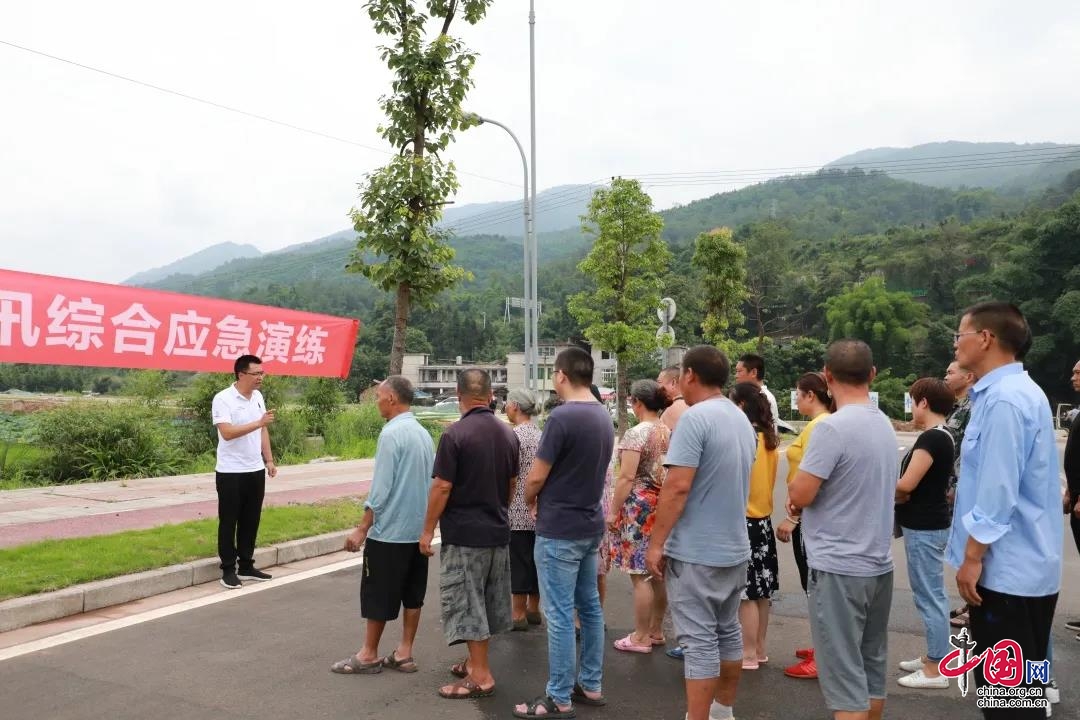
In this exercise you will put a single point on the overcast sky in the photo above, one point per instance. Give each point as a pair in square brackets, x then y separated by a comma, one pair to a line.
[101, 178]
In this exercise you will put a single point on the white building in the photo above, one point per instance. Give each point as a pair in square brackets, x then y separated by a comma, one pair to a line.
[441, 377]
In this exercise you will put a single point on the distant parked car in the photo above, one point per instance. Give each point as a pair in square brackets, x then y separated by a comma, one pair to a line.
[446, 406]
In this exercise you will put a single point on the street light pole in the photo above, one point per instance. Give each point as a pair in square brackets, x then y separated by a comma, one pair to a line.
[530, 301]
[531, 239]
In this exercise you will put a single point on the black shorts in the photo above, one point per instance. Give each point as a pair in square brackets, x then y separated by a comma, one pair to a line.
[523, 580]
[394, 576]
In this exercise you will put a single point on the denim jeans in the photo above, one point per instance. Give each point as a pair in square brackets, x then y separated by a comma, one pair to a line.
[925, 550]
[567, 572]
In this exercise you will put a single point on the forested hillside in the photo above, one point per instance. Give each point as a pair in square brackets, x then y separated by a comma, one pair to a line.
[810, 241]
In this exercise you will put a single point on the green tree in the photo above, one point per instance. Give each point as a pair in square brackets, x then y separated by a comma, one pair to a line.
[887, 321]
[149, 386]
[768, 262]
[400, 249]
[320, 403]
[720, 263]
[626, 263]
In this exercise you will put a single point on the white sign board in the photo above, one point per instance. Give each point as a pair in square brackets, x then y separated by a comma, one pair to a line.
[794, 402]
[874, 399]
[907, 403]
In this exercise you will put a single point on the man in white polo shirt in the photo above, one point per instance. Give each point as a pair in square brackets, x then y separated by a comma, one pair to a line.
[244, 459]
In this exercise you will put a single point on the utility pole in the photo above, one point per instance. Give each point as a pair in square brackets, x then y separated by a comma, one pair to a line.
[533, 311]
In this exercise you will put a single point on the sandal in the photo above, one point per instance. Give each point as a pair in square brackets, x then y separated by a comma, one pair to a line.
[578, 695]
[534, 618]
[352, 666]
[460, 669]
[627, 644]
[474, 691]
[657, 640]
[405, 665]
[551, 710]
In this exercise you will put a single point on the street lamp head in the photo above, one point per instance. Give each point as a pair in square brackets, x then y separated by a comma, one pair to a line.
[471, 118]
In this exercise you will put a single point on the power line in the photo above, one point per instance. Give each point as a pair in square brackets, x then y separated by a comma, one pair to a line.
[228, 108]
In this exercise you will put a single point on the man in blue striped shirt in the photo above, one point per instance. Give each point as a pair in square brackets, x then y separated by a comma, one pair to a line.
[1007, 530]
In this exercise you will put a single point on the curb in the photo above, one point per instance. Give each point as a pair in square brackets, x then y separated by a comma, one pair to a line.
[21, 612]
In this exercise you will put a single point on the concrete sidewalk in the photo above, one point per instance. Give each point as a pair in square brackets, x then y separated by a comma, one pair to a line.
[85, 509]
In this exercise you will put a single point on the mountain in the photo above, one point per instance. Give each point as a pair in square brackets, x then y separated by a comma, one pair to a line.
[557, 208]
[202, 261]
[1011, 167]
[832, 203]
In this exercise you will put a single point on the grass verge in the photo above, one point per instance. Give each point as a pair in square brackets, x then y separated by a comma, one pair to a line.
[55, 564]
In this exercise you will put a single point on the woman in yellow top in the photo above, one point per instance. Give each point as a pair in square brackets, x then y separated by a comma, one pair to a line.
[813, 400]
[763, 571]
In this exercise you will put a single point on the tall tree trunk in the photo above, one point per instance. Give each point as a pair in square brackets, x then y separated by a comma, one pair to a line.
[622, 390]
[401, 322]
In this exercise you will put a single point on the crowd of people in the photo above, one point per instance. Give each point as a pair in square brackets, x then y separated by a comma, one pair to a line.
[531, 519]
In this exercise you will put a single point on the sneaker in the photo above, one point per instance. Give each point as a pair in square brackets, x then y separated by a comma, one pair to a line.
[1053, 695]
[804, 653]
[229, 581]
[919, 680]
[804, 670]
[253, 574]
[675, 653]
[911, 665]
[1073, 625]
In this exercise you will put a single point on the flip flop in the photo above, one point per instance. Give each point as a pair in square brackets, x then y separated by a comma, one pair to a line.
[352, 666]
[627, 644]
[578, 696]
[405, 665]
[475, 691]
[551, 710]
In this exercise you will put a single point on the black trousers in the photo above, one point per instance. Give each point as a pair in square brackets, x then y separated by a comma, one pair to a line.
[240, 498]
[1026, 620]
[800, 554]
[1074, 523]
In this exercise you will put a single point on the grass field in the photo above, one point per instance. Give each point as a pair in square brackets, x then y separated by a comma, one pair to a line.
[55, 564]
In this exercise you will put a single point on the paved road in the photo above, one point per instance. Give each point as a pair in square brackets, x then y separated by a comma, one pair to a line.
[266, 655]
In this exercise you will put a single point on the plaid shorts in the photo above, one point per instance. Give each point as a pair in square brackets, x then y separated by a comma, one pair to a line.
[474, 583]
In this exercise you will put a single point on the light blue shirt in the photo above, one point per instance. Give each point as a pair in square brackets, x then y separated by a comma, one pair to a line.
[398, 497]
[714, 437]
[1008, 496]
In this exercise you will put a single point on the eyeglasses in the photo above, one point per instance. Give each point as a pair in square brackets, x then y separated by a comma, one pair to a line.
[956, 336]
[254, 374]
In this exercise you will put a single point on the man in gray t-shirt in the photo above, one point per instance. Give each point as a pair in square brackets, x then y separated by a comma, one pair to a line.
[698, 543]
[845, 490]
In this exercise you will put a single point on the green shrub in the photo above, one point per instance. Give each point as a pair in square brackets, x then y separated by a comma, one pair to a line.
[320, 403]
[100, 441]
[353, 433]
[287, 435]
[148, 386]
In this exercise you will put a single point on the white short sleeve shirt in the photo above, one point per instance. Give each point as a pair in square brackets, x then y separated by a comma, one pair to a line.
[243, 454]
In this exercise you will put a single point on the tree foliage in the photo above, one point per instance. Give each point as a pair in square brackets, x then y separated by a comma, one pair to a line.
[720, 265]
[886, 321]
[400, 249]
[627, 261]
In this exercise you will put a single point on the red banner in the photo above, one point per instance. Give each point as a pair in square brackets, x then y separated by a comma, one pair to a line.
[57, 321]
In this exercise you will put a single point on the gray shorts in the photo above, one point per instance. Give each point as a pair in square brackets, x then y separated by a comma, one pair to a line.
[704, 603]
[475, 586]
[849, 620]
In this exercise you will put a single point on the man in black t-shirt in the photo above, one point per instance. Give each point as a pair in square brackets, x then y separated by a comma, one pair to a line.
[923, 512]
[476, 467]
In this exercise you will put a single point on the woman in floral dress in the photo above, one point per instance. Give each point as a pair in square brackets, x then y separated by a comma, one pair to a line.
[633, 512]
[524, 586]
